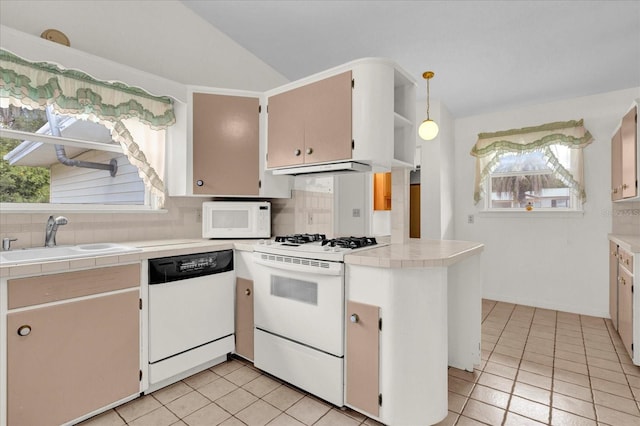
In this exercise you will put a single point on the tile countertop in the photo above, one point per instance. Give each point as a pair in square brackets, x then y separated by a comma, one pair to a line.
[628, 242]
[150, 249]
[416, 254]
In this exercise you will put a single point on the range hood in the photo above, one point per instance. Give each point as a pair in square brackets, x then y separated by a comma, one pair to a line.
[328, 168]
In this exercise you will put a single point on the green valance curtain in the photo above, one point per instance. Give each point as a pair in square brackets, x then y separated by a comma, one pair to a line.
[570, 134]
[137, 120]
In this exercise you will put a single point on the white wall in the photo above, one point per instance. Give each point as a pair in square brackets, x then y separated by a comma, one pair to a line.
[557, 262]
[161, 37]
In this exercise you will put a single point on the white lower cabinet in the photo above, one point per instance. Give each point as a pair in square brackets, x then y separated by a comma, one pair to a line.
[72, 344]
[396, 369]
[624, 304]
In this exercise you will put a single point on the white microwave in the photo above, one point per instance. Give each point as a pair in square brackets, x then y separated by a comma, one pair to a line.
[236, 219]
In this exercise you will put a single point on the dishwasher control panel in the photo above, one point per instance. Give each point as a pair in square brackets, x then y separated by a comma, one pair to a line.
[174, 268]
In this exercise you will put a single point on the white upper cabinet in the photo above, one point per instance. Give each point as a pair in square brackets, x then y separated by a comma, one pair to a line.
[360, 112]
[224, 148]
[239, 143]
[625, 158]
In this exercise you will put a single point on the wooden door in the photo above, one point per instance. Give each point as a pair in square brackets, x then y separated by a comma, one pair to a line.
[414, 210]
[285, 134]
[77, 357]
[616, 166]
[363, 357]
[328, 119]
[613, 283]
[226, 143]
[244, 318]
[382, 191]
[625, 309]
[629, 158]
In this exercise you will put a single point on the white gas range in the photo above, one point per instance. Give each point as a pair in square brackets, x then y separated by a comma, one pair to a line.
[299, 310]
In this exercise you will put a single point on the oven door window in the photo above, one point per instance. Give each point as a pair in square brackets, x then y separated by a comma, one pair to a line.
[294, 289]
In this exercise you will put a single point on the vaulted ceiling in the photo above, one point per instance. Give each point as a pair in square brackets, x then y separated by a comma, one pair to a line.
[487, 55]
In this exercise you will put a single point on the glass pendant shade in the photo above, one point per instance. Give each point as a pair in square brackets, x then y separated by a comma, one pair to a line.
[428, 130]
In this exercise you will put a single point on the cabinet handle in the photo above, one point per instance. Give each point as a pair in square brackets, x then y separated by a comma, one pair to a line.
[354, 318]
[24, 330]
[614, 190]
[247, 292]
[200, 182]
[625, 186]
[309, 151]
[297, 152]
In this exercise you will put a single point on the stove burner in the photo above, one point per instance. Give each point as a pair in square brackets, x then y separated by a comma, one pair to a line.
[300, 238]
[351, 242]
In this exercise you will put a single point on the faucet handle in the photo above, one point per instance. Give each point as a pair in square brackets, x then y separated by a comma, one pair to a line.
[6, 243]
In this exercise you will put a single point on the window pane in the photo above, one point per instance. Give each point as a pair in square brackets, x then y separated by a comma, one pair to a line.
[21, 184]
[34, 172]
[521, 179]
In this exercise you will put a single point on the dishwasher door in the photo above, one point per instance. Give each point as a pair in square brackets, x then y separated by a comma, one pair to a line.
[185, 314]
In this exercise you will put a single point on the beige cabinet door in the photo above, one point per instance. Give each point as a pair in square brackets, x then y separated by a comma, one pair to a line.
[226, 144]
[625, 308]
[629, 158]
[285, 133]
[311, 124]
[616, 166]
[613, 283]
[328, 120]
[244, 318]
[67, 360]
[362, 357]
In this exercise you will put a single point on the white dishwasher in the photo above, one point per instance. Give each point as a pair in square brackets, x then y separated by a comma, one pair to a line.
[191, 322]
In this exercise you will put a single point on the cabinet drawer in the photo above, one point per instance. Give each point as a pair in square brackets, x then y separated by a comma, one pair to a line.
[51, 288]
[626, 259]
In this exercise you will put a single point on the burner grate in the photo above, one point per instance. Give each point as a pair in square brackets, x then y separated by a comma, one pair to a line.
[350, 242]
[300, 238]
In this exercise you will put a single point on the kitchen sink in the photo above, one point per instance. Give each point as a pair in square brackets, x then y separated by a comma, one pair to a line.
[43, 254]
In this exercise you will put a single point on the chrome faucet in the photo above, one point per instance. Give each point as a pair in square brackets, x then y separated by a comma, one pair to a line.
[52, 228]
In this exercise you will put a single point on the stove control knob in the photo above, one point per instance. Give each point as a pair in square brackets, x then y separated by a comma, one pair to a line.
[354, 318]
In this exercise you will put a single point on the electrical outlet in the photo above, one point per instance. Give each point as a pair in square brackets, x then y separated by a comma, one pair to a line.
[310, 219]
[355, 212]
[470, 218]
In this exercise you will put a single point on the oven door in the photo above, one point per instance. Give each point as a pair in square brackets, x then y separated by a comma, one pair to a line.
[300, 300]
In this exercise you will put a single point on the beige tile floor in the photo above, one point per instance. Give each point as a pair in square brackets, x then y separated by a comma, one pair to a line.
[539, 367]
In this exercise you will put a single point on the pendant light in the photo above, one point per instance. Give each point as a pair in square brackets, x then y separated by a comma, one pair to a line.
[428, 130]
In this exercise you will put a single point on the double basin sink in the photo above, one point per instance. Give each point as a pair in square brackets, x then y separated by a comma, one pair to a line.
[45, 254]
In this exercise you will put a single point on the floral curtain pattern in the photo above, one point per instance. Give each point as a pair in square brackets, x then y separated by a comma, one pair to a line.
[137, 120]
[544, 138]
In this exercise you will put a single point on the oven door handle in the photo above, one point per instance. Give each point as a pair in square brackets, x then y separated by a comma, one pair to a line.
[332, 268]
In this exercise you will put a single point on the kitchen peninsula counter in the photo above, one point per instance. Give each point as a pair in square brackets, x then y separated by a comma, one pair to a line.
[429, 297]
[416, 254]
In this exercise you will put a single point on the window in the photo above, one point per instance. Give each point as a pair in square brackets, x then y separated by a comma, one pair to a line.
[92, 170]
[67, 138]
[526, 179]
[532, 169]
